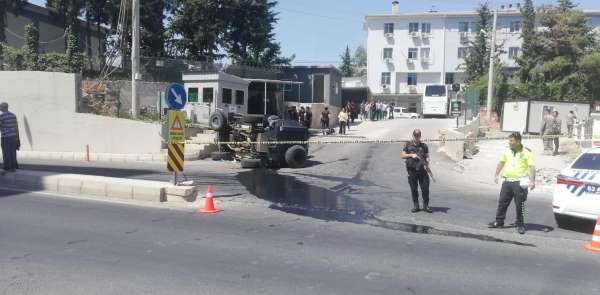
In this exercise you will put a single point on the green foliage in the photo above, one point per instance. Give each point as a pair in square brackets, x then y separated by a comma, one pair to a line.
[477, 60]
[360, 57]
[347, 68]
[529, 57]
[74, 58]
[31, 48]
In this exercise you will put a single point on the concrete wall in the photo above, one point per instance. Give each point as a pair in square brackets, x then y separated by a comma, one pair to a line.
[45, 105]
[148, 92]
[458, 140]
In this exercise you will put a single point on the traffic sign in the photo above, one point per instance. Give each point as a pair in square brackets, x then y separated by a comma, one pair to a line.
[176, 127]
[456, 108]
[176, 96]
[175, 157]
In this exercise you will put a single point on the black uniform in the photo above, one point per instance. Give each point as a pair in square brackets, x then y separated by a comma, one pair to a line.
[417, 172]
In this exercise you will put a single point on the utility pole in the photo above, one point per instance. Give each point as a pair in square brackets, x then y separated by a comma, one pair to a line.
[135, 56]
[490, 94]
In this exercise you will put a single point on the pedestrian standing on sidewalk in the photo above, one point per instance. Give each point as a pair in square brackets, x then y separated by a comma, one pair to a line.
[325, 120]
[571, 121]
[556, 129]
[308, 117]
[519, 177]
[546, 132]
[349, 121]
[416, 154]
[301, 115]
[343, 120]
[9, 132]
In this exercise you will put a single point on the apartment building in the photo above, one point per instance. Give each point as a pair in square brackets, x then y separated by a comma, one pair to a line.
[406, 52]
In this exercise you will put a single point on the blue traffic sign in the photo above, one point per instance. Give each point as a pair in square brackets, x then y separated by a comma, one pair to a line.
[176, 96]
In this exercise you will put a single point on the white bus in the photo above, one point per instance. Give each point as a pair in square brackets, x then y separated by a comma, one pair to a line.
[435, 101]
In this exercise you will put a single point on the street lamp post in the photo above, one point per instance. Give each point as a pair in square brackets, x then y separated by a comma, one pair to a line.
[490, 93]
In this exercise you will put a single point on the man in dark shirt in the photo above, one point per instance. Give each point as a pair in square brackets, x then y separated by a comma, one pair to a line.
[416, 154]
[9, 130]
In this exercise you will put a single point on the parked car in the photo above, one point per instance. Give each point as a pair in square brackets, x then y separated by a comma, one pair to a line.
[577, 190]
[404, 113]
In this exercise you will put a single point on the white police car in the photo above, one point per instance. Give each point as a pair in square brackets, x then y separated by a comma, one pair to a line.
[577, 191]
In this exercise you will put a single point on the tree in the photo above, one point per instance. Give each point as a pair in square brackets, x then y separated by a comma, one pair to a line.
[477, 59]
[74, 58]
[31, 48]
[529, 56]
[562, 48]
[590, 69]
[360, 60]
[249, 34]
[346, 67]
[200, 26]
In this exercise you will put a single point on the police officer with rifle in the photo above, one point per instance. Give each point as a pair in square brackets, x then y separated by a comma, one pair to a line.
[416, 154]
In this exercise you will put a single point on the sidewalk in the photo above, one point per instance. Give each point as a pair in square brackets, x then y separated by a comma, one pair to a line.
[482, 166]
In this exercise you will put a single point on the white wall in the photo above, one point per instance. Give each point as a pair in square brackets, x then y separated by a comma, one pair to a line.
[45, 105]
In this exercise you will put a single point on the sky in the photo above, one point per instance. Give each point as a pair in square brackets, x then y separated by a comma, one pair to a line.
[318, 31]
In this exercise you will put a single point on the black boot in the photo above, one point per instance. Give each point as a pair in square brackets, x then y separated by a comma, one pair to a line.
[415, 208]
[427, 209]
[496, 224]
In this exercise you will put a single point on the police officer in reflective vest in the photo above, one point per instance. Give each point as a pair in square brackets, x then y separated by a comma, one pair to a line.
[416, 154]
[519, 177]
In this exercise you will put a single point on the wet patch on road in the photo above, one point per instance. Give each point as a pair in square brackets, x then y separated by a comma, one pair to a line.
[289, 195]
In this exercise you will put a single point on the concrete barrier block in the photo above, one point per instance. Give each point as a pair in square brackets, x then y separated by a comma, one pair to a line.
[69, 185]
[132, 158]
[55, 156]
[118, 158]
[181, 193]
[159, 158]
[149, 193]
[146, 158]
[67, 156]
[79, 156]
[119, 190]
[94, 188]
[104, 157]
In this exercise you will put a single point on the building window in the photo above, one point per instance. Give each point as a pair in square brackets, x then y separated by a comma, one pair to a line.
[515, 27]
[386, 78]
[413, 53]
[426, 28]
[388, 28]
[463, 27]
[449, 78]
[462, 52]
[193, 94]
[474, 27]
[412, 79]
[388, 53]
[227, 95]
[413, 27]
[239, 97]
[425, 53]
[208, 95]
[513, 52]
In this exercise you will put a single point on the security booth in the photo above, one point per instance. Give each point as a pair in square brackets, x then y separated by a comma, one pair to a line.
[268, 96]
[208, 92]
[526, 116]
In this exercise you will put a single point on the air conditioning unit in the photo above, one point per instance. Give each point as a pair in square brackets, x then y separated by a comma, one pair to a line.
[388, 60]
[410, 60]
[464, 35]
[425, 35]
[389, 35]
[425, 60]
[414, 34]
[412, 89]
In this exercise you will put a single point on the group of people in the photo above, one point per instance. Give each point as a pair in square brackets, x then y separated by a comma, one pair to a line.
[376, 110]
[552, 127]
[516, 170]
[302, 115]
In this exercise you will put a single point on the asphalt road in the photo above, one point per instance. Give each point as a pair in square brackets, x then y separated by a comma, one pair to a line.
[339, 226]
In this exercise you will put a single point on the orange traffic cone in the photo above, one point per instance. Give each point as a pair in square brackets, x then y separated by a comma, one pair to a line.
[209, 206]
[594, 245]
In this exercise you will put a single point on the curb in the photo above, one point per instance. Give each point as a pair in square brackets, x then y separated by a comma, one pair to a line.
[98, 186]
